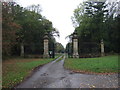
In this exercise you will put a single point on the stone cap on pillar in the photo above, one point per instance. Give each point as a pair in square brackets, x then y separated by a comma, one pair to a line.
[75, 35]
[46, 36]
[101, 41]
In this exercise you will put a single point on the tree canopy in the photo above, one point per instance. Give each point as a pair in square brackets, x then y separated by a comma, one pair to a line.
[95, 21]
[24, 26]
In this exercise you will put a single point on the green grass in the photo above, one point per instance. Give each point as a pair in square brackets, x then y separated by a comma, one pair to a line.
[106, 64]
[15, 70]
[60, 59]
[58, 55]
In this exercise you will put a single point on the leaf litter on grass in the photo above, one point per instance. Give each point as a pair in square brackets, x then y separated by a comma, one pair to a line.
[15, 70]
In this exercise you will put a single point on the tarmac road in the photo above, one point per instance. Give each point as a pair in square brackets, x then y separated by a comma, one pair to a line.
[53, 75]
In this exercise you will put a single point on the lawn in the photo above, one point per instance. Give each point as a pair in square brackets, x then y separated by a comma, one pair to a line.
[15, 70]
[106, 64]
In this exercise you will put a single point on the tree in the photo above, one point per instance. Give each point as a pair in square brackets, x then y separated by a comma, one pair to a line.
[26, 28]
[9, 28]
[34, 26]
[90, 20]
[96, 21]
[59, 48]
[69, 49]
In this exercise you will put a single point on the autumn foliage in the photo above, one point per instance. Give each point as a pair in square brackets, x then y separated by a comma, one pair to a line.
[23, 26]
[9, 29]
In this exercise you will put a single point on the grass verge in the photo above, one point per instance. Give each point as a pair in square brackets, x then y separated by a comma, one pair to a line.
[106, 64]
[15, 70]
[60, 59]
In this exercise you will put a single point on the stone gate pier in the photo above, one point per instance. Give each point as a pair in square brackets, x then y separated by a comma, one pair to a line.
[102, 48]
[75, 45]
[46, 47]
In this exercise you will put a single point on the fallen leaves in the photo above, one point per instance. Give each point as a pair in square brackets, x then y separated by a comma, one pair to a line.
[15, 70]
[92, 86]
[87, 85]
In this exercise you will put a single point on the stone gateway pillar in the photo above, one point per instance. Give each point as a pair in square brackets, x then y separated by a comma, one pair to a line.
[46, 47]
[75, 45]
[22, 50]
[102, 48]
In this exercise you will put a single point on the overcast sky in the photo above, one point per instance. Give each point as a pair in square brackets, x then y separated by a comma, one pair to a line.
[57, 11]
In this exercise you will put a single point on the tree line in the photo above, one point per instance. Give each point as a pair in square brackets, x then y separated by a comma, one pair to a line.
[24, 28]
[96, 21]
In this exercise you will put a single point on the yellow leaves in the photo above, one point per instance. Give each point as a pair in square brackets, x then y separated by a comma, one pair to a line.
[87, 85]
[92, 86]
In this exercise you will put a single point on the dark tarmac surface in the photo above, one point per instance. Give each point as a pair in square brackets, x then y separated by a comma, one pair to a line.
[53, 75]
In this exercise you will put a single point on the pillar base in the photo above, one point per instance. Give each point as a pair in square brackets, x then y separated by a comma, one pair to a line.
[75, 56]
[102, 54]
[45, 56]
[22, 55]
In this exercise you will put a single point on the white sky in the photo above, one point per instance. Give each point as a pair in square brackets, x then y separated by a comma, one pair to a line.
[57, 11]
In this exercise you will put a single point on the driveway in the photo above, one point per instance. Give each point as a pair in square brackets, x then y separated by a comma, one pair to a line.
[53, 75]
